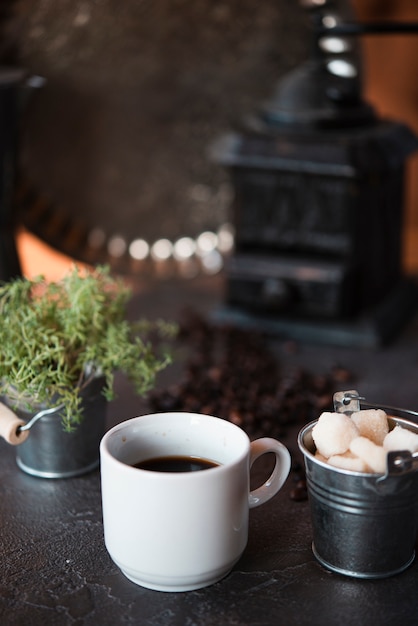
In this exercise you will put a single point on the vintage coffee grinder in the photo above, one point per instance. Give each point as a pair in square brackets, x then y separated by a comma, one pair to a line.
[319, 193]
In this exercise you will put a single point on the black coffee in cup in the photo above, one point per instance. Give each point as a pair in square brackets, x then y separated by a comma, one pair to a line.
[176, 464]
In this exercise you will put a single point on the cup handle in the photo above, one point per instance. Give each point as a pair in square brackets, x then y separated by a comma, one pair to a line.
[280, 472]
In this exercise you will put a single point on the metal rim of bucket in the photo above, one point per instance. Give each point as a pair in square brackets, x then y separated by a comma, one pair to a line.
[361, 575]
[70, 474]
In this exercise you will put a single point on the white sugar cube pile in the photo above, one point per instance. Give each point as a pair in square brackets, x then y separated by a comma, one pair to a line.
[360, 442]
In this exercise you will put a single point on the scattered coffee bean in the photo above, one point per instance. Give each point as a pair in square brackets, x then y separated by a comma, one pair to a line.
[232, 373]
[300, 492]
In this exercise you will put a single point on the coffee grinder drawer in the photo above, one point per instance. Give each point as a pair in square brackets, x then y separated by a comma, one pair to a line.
[301, 287]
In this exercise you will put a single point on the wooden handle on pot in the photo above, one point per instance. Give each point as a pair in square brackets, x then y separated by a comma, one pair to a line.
[9, 424]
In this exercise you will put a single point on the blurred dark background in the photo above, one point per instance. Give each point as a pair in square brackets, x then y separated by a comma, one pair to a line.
[117, 140]
[135, 93]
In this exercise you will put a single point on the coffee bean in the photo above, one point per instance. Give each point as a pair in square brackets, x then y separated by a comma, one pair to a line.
[233, 373]
[299, 494]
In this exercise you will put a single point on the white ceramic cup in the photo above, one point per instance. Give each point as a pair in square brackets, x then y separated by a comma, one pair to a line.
[185, 530]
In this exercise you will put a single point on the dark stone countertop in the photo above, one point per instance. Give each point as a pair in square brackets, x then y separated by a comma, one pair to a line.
[54, 567]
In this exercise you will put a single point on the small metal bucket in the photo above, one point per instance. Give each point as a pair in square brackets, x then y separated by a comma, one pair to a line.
[364, 525]
[51, 452]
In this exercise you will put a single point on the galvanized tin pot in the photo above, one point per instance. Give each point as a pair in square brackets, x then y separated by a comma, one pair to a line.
[48, 451]
[363, 525]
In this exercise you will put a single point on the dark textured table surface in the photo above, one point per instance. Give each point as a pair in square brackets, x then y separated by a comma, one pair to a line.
[54, 567]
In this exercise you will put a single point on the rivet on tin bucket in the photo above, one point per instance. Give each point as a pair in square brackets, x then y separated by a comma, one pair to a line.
[364, 525]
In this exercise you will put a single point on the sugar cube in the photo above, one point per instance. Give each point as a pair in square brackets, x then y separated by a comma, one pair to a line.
[372, 423]
[348, 461]
[333, 433]
[401, 439]
[320, 457]
[375, 456]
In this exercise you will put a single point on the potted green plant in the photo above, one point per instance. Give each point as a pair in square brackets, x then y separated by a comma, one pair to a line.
[61, 344]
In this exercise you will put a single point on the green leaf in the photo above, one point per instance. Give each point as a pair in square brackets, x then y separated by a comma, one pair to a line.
[56, 336]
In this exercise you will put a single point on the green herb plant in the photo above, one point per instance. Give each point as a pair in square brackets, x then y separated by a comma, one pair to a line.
[56, 336]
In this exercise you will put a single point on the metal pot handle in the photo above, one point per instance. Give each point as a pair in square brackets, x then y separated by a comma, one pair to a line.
[15, 430]
[11, 426]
